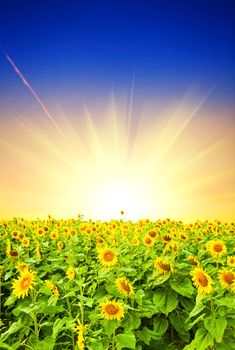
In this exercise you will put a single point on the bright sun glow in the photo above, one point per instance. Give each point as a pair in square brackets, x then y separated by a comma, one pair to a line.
[176, 163]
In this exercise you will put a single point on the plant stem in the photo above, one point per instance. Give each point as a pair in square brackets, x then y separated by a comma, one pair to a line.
[81, 305]
[34, 316]
[70, 314]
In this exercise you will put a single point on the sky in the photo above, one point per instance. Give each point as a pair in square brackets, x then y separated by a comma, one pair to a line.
[156, 64]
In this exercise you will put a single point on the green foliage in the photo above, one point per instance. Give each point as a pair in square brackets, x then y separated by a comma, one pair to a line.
[165, 310]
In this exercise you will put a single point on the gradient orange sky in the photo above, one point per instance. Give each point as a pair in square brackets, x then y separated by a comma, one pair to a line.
[177, 162]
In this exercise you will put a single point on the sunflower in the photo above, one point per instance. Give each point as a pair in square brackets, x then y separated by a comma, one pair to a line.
[135, 241]
[22, 267]
[193, 260]
[81, 330]
[166, 238]
[148, 241]
[231, 261]
[40, 232]
[14, 234]
[112, 310]
[70, 273]
[163, 265]
[8, 248]
[217, 248]
[38, 250]
[202, 281]
[60, 245]
[23, 284]
[107, 257]
[54, 235]
[124, 287]
[153, 234]
[53, 288]
[226, 278]
[25, 242]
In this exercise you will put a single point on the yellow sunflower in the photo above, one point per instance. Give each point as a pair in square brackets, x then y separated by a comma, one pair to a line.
[148, 241]
[124, 287]
[217, 248]
[25, 242]
[135, 241]
[193, 260]
[226, 278]
[54, 235]
[22, 267]
[70, 273]
[14, 234]
[112, 310]
[53, 288]
[23, 284]
[107, 257]
[163, 265]
[81, 330]
[166, 238]
[8, 248]
[153, 234]
[60, 245]
[231, 261]
[38, 250]
[202, 281]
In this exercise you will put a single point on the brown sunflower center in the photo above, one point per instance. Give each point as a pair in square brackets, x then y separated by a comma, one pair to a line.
[108, 256]
[228, 277]
[218, 247]
[148, 240]
[166, 238]
[25, 283]
[231, 261]
[125, 286]
[202, 280]
[164, 266]
[152, 234]
[111, 309]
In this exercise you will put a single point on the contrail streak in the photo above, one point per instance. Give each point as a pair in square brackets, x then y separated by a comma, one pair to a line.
[26, 83]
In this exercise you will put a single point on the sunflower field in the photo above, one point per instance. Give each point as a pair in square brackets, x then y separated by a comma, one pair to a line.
[76, 284]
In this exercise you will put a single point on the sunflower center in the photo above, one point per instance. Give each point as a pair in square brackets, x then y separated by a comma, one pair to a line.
[111, 309]
[218, 248]
[228, 277]
[166, 238]
[25, 283]
[148, 240]
[203, 280]
[231, 261]
[125, 286]
[164, 266]
[108, 256]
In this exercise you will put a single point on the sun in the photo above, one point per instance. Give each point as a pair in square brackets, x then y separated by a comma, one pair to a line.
[105, 160]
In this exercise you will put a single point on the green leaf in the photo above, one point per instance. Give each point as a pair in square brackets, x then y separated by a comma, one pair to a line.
[51, 309]
[178, 321]
[183, 287]
[110, 326]
[202, 341]
[197, 309]
[48, 343]
[166, 302]
[139, 295]
[126, 341]
[5, 346]
[58, 326]
[13, 329]
[216, 327]
[160, 325]
[146, 334]
[10, 300]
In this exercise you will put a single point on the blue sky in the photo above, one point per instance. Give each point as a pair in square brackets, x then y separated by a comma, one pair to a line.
[89, 47]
